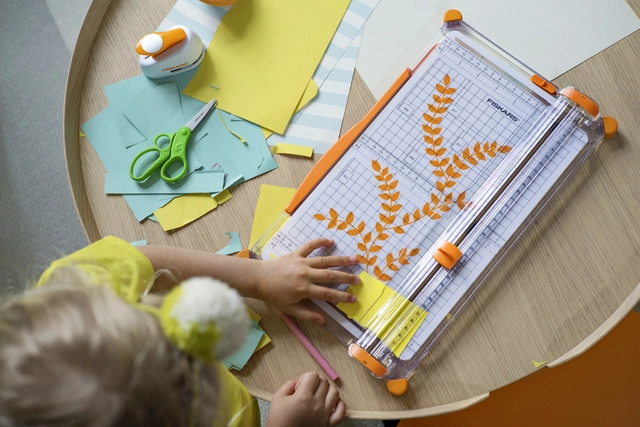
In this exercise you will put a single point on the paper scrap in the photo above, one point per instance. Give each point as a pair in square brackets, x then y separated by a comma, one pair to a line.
[196, 182]
[538, 364]
[222, 196]
[82, 133]
[234, 245]
[374, 299]
[272, 201]
[296, 150]
[139, 243]
[276, 35]
[240, 358]
[183, 210]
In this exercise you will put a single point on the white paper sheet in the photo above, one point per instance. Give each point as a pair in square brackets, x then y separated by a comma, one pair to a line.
[549, 36]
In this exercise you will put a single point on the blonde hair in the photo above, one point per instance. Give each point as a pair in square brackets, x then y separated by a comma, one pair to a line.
[73, 353]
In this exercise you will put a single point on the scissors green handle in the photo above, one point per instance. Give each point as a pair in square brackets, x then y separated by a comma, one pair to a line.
[176, 151]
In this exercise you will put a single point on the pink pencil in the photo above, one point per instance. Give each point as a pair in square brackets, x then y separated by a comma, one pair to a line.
[333, 375]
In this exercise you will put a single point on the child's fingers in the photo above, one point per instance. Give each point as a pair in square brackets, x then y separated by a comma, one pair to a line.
[310, 246]
[329, 294]
[286, 389]
[333, 276]
[332, 261]
[321, 390]
[332, 397]
[301, 312]
[308, 383]
[338, 414]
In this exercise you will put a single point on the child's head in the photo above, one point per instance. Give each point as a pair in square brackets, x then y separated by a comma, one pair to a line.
[77, 354]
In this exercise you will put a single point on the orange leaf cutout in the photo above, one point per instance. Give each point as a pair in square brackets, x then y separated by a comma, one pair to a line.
[447, 79]
[398, 230]
[367, 238]
[333, 214]
[504, 149]
[414, 252]
[393, 267]
[449, 91]
[342, 226]
[332, 224]
[362, 247]
[361, 226]
[375, 248]
[383, 236]
[403, 260]
[460, 199]
[361, 259]
[440, 88]
[379, 227]
[416, 214]
[350, 217]
[319, 217]
[372, 260]
[389, 258]
[375, 165]
[380, 275]
[352, 232]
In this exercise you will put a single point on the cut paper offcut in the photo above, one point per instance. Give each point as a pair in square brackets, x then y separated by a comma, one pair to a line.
[292, 149]
[538, 364]
[197, 182]
[183, 210]
[272, 201]
[240, 358]
[234, 245]
[142, 242]
[256, 318]
[287, 38]
[403, 317]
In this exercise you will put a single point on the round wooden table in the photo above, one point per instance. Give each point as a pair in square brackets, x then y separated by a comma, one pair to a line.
[568, 281]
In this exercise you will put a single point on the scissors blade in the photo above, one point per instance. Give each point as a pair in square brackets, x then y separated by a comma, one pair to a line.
[195, 121]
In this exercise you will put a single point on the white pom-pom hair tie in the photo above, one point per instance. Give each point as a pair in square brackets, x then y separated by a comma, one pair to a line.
[205, 318]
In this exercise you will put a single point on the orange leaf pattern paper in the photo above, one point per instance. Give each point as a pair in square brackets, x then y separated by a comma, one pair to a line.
[392, 218]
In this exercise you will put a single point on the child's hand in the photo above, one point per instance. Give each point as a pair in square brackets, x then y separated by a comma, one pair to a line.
[311, 401]
[286, 280]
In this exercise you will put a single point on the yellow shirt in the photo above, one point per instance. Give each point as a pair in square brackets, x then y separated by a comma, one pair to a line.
[116, 262]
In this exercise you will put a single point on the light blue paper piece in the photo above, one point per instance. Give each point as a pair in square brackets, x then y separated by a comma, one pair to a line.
[107, 143]
[240, 358]
[137, 111]
[234, 245]
[139, 243]
[197, 182]
[219, 147]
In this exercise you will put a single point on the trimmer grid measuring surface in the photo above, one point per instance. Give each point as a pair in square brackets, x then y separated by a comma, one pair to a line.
[481, 105]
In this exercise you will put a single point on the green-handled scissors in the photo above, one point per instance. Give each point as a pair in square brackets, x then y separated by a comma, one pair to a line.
[173, 152]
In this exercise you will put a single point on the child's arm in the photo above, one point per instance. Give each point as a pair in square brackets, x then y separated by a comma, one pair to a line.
[281, 282]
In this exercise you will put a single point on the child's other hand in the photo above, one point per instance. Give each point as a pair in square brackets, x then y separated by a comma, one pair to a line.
[286, 280]
[311, 401]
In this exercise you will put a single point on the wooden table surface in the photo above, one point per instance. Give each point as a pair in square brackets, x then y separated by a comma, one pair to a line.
[572, 276]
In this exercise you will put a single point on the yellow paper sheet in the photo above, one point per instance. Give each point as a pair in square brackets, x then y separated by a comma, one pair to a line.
[183, 210]
[292, 149]
[309, 93]
[372, 296]
[271, 202]
[263, 56]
